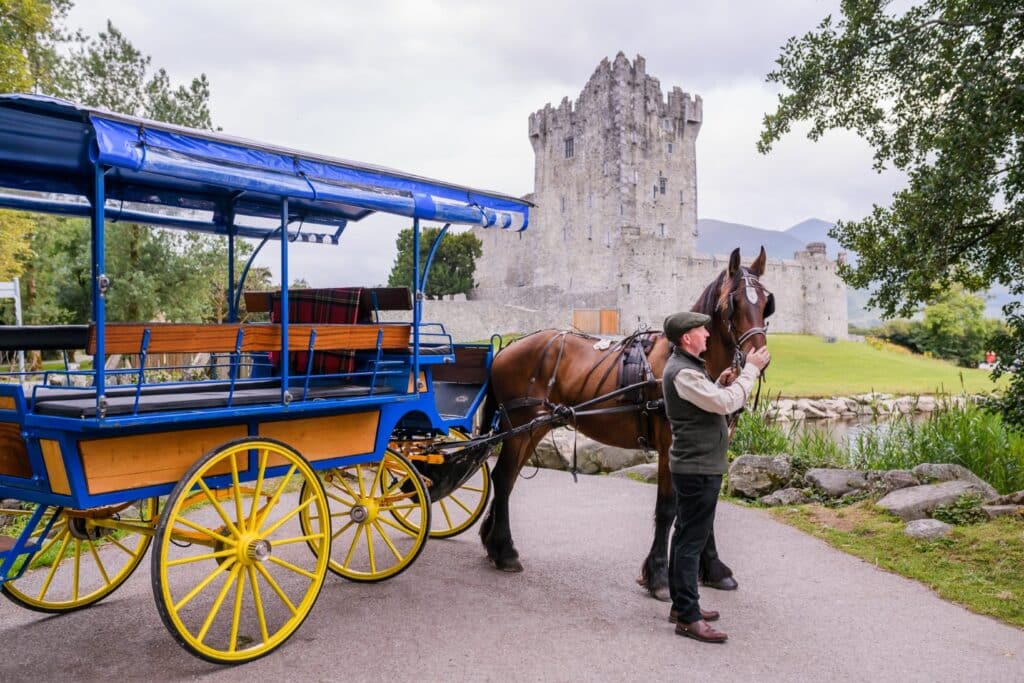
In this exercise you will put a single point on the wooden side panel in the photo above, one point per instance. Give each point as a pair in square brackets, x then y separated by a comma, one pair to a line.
[319, 438]
[13, 453]
[175, 338]
[609, 321]
[7, 403]
[55, 470]
[127, 462]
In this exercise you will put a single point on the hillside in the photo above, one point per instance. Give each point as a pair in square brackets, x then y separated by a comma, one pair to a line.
[804, 365]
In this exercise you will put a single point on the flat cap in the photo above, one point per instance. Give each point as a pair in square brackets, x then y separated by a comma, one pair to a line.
[684, 321]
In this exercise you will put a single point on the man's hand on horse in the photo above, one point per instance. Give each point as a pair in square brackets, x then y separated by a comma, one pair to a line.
[759, 358]
[727, 377]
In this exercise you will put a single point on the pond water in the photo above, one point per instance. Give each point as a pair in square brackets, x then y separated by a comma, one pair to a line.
[843, 429]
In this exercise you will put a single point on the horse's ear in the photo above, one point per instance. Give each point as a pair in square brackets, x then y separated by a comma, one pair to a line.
[757, 267]
[734, 261]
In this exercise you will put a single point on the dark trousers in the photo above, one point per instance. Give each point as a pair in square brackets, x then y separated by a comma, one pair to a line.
[696, 498]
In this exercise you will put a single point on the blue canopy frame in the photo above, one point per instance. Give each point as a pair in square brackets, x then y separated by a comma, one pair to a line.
[104, 160]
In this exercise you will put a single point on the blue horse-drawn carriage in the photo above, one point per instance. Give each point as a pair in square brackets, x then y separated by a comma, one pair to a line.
[258, 456]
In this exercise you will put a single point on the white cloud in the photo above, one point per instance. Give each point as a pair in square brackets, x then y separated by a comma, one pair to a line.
[443, 88]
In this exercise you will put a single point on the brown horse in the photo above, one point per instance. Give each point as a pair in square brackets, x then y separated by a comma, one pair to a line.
[555, 368]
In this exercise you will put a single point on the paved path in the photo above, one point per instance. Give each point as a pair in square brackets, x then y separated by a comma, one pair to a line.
[804, 612]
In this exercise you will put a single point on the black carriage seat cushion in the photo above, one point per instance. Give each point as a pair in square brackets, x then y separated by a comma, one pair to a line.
[190, 397]
[43, 337]
[454, 400]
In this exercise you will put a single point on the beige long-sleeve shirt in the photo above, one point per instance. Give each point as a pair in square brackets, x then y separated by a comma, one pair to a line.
[697, 388]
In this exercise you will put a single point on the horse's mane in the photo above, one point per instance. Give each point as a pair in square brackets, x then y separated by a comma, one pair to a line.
[714, 295]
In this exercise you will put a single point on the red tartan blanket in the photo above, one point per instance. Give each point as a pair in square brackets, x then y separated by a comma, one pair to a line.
[338, 305]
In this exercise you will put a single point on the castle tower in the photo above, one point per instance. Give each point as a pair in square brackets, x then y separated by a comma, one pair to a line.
[617, 165]
[612, 240]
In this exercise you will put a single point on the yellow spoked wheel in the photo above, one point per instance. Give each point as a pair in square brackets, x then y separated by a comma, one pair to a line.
[232, 574]
[85, 557]
[369, 545]
[461, 508]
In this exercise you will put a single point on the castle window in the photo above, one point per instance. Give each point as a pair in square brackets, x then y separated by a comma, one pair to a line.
[668, 148]
[662, 226]
[655, 192]
[590, 232]
[681, 197]
[662, 182]
[563, 204]
[666, 124]
[569, 148]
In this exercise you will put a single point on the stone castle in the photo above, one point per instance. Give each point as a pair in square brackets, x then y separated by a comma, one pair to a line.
[612, 240]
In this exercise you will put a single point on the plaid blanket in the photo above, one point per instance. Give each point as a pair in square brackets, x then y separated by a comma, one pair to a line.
[337, 305]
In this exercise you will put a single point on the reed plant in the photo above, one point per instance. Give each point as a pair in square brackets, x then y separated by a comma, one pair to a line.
[968, 435]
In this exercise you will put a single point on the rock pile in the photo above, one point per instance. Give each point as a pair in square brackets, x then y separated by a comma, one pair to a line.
[911, 495]
[864, 405]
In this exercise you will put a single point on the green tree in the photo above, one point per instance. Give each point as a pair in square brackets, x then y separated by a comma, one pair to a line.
[109, 71]
[453, 266]
[29, 31]
[153, 272]
[936, 91]
[955, 328]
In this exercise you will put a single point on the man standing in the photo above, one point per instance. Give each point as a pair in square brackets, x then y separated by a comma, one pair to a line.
[696, 409]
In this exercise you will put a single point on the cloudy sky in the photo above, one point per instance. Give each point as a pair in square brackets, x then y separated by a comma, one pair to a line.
[443, 88]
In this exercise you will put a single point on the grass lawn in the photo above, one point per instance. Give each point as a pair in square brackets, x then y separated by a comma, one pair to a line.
[980, 566]
[803, 365]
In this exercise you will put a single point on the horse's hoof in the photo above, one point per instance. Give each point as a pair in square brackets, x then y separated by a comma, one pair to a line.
[661, 594]
[726, 584]
[511, 566]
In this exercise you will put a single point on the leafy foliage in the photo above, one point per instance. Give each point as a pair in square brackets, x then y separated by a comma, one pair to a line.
[963, 511]
[953, 328]
[936, 91]
[29, 30]
[453, 266]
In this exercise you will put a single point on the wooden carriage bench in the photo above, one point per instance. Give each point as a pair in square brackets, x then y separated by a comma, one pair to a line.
[132, 338]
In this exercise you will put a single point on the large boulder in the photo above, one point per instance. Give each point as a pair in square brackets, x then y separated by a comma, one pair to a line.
[918, 502]
[592, 457]
[1016, 498]
[927, 529]
[646, 473]
[835, 482]
[753, 476]
[889, 480]
[936, 472]
[788, 496]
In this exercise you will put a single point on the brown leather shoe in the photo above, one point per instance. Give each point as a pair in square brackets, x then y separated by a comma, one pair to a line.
[705, 614]
[699, 630]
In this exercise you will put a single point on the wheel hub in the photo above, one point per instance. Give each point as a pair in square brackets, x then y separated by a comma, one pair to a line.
[83, 531]
[364, 511]
[258, 550]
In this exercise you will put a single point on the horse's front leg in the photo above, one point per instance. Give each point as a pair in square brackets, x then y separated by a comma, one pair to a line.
[654, 572]
[496, 530]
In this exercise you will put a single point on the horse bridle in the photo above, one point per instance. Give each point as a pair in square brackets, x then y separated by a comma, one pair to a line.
[752, 285]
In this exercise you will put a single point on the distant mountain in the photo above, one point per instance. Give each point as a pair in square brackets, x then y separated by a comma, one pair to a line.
[720, 237]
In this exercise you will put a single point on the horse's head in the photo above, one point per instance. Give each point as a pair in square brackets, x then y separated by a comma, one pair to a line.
[738, 305]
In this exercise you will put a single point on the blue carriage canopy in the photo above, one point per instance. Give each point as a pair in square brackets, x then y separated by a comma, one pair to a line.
[52, 146]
